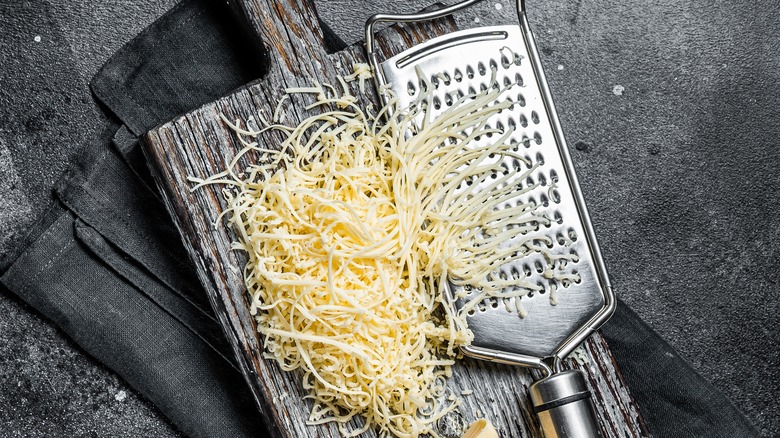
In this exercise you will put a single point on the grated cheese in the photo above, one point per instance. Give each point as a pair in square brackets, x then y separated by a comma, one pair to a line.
[481, 428]
[352, 231]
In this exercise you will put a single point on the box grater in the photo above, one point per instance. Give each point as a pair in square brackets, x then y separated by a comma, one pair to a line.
[460, 63]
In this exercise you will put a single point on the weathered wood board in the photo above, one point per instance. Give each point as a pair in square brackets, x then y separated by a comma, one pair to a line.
[199, 144]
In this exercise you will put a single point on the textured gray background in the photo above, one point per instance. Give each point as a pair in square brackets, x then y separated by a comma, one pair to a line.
[679, 172]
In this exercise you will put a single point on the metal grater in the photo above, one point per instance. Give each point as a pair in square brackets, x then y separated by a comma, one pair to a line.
[461, 62]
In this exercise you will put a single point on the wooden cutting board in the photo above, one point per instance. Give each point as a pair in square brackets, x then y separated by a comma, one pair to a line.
[199, 144]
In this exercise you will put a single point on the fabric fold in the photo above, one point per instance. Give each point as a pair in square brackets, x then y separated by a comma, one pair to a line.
[106, 195]
[126, 144]
[201, 323]
[195, 51]
[179, 372]
[673, 398]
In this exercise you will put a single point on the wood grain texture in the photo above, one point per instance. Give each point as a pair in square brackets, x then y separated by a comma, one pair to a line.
[199, 144]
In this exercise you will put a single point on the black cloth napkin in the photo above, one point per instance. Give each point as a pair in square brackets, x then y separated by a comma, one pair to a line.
[107, 266]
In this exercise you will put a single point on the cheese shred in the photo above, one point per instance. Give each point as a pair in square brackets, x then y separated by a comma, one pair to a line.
[352, 231]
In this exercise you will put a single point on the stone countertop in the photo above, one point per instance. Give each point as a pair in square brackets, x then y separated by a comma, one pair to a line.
[672, 111]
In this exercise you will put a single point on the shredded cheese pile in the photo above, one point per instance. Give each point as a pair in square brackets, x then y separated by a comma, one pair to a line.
[352, 231]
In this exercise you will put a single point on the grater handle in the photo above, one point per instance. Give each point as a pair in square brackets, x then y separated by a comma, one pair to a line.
[422, 16]
[562, 403]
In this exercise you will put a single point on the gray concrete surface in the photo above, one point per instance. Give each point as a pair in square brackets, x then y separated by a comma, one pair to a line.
[671, 108]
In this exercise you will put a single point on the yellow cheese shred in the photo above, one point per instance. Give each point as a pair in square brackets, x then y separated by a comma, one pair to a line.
[352, 230]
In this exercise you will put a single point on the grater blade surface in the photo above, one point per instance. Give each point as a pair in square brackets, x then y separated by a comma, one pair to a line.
[459, 64]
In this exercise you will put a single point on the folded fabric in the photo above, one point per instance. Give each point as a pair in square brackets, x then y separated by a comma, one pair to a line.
[106, 263]
[139, 320]
[674, 400]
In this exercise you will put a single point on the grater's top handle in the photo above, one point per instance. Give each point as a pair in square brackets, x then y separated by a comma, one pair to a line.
[410, 18]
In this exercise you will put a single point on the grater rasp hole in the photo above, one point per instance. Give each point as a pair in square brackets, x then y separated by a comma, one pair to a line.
[423, 84]
[535, 117]
[505, 62]
[520, 99]
[555, 196]
[523, 120]
[457, 75]
[481, 69]
[510, 102]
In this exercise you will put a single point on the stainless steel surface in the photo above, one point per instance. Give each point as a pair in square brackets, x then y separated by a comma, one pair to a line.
[563, 404]
[406, 18]
[463, 63]
[559, 386]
